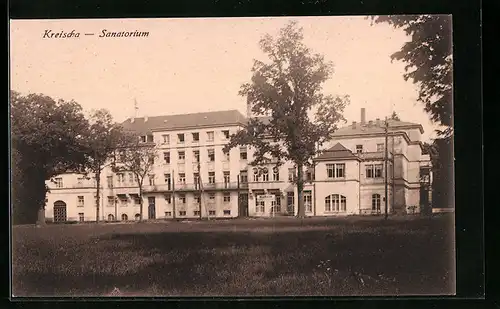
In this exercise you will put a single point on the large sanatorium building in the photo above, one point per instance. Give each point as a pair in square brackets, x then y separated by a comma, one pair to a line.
[347, 179]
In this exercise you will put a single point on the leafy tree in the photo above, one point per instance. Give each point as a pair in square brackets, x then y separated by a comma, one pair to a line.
[293, 116]
[137, 158]
[428, 58]
[394, 116]
[104, 137]
[49, 137]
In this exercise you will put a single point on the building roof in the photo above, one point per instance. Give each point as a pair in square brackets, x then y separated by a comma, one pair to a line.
[376, 127]
[172, 122]
[336, 152]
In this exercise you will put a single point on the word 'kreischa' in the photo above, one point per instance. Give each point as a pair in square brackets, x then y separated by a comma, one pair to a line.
[108, 34]
[49, 34]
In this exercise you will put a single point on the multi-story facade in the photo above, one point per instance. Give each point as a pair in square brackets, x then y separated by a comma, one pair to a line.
[347, 179]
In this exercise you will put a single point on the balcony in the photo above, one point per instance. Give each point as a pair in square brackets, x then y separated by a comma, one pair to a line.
[124, 190]
[224, 186]
[374, 156]
[261, 185]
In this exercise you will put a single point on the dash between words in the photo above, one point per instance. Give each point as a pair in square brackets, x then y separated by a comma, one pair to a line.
[49, 34]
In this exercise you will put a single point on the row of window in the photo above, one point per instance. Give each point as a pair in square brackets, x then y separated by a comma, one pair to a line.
[334, 170]
[181, 137]
[380, 148]
[181, 199]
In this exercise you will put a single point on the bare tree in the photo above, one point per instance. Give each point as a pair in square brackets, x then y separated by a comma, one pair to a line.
[137, 158]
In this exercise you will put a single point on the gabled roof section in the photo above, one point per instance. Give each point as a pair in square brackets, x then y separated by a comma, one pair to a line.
[376, 127]
[337, 152]
[174, 122]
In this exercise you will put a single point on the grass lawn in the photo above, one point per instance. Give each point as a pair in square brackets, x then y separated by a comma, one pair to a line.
[241, 257]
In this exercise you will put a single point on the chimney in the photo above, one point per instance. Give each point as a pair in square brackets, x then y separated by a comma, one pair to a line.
[363, 116]
[354, 124]
[132, 120]
[370, 123]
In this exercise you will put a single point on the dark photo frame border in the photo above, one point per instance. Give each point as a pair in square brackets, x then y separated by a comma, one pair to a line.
[468, 141]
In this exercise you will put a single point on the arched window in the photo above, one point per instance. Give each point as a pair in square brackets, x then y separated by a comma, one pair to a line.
[335, 203]
[137, 217]
[111, 217]
[124, 217]
[376, 202]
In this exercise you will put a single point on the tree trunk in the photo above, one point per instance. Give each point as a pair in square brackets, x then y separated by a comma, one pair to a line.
[142, 202]
[301, 212]
[40, 193]
[98, 194]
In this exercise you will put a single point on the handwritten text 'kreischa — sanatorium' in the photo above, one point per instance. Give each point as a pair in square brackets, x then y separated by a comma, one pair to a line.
[49, 34]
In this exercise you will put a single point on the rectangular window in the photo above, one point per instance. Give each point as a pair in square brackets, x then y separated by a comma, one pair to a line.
[211, 155]
[143, 138]
[168, 199]
[79, 181]
[374, 171]
[196, 156]
[123, 202]
[196, 212]
[131, 178]
[244, 176]
[182, 213]
[291, 174]
[182, 178]
[180, 138]
[81, 201]
[227, 177]
[168, 214]
[227, 212]
[378, 170]
[182, 198]
[340, 170]
[109, 181]
[81, 217]
[335, 170]
[150, 138]
[59, 182]
[166, 139]
[211, 177]
[137, 200]
[197, 199]
[380, 147]
[243, 153]
[196, 137]
[227, 197]
[151, 180]
[121, 178]
[211, 198]
[211, 212]
[181, 156]
[308, 201]
[111, 201]
[225, 133]
[166, 157]
[260, 206]
[210, 136]
[196, 179]
[359, 148]
[369, 171]
[151, 160]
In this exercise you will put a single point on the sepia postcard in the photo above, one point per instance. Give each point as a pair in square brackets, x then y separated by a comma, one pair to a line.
[247, 157]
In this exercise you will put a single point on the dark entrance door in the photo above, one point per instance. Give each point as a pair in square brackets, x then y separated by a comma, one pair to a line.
[60, 211]
[243, 205]
[151, 208]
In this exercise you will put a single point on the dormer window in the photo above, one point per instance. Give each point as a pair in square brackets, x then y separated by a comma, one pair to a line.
[359, 148]
[150, 138]
[225, 133]
[143, 138]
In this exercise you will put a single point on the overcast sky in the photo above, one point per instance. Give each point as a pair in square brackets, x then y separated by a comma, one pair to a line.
[194, 65]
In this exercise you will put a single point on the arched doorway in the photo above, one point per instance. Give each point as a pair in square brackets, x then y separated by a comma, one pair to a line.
[124, 217]
[137, 217]
[111, 217]
[60, 211]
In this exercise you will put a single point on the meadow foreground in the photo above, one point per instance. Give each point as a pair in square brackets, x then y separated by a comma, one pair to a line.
[242, 257]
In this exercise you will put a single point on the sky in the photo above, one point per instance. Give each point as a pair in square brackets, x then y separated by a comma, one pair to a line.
[198, 64]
